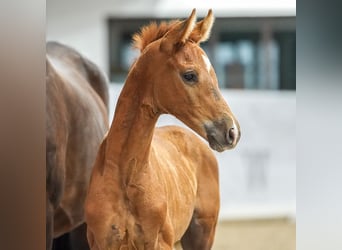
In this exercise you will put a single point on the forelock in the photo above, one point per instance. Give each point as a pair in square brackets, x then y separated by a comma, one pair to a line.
[151, 33]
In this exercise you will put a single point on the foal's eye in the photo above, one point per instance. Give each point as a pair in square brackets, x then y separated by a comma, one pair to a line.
[190, 77]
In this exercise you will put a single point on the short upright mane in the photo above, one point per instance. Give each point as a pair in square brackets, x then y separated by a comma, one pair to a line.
[151, 33]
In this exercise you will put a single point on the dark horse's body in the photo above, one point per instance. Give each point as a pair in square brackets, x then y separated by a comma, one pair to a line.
[76, 121]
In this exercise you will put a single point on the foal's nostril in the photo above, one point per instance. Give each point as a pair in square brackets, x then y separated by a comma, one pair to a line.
[231, 136]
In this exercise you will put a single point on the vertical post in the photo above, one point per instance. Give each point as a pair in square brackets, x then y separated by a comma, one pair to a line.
[266, 39]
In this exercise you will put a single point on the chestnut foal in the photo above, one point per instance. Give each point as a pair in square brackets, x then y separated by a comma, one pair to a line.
[151, 187]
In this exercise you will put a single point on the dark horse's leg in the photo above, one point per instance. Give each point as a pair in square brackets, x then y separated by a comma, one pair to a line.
[62, 242]
[49, 224]
[78, 238]
[74, 240]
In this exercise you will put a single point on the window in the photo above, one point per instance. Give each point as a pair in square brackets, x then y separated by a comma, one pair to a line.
[247, 53]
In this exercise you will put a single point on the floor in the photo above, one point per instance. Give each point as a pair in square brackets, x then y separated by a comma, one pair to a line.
[263, 234]
[276, 234]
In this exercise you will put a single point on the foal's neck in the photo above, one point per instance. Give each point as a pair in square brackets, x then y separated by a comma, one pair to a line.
[130, 136]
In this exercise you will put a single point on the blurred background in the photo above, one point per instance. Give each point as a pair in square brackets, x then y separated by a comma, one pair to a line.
[253, 50]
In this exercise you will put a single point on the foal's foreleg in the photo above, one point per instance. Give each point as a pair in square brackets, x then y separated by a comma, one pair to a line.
[200, 233]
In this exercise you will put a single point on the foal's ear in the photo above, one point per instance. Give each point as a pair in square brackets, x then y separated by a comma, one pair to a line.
[179, 34]
[201, 32]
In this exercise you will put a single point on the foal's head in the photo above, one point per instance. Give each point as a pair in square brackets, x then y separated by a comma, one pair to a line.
[181, 80]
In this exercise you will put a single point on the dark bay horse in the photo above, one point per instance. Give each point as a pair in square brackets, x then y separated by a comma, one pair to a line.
[76, 122]
[152, 187]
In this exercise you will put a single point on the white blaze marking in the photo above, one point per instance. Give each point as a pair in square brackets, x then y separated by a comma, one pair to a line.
[207, 62]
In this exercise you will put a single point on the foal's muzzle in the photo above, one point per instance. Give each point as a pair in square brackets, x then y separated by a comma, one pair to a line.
[223, 134]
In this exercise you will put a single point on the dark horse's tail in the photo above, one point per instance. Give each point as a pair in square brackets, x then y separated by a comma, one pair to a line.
[91, 72]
